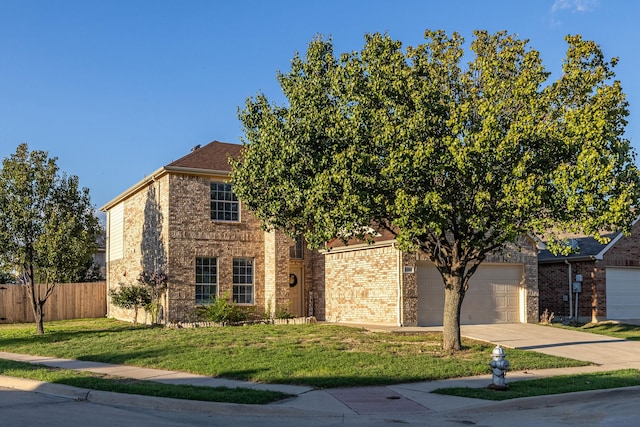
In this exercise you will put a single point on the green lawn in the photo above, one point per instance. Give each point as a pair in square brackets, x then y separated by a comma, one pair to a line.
[318, 355]
[94, 381]
[616, 330]
[566, 383]
[552, 385]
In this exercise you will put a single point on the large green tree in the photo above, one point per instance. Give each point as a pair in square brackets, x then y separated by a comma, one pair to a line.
[48, 230]
[456, 159]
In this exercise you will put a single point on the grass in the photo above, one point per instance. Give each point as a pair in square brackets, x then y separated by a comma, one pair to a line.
[553, 385]
[147, 388]
[615, 330]
[320, 356]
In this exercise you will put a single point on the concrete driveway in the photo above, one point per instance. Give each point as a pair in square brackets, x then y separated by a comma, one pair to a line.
[613, 352]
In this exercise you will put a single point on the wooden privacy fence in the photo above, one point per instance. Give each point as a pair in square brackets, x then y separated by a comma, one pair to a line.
[68, 301]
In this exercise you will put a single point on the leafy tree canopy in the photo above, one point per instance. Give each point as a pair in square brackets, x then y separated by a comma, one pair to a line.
[48, 229]
[454, 159]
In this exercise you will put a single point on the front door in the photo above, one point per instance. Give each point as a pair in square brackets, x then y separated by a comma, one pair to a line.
[295, 290]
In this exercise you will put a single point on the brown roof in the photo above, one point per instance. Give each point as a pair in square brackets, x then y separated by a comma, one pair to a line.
[214, 156]
[382, 236]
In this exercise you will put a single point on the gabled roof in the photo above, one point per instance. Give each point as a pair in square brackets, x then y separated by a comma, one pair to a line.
[588, 249]
[213, 156]
[212, 159]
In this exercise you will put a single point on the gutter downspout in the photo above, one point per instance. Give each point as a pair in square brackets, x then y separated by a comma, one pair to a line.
[570, 290]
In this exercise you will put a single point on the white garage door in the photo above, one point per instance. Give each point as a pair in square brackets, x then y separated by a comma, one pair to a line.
[493, 296]
[623, 293]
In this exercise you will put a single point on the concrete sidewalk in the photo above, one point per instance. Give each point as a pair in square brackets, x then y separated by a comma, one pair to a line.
[414, 398]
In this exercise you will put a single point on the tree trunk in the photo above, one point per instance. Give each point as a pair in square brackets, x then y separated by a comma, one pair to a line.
[36, 306]
[38, 313]
[37, 301]
[453, 296]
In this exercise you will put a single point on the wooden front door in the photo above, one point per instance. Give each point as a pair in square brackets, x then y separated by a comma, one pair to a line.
[296, 286]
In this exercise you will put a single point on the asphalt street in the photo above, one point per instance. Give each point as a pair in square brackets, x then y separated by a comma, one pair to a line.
[612, 408]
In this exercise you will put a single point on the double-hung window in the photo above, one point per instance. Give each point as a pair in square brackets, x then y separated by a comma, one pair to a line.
[206, 280]
[243, 280]
[224, 204]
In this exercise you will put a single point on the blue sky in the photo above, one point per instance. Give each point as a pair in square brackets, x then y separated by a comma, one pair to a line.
[117, 88]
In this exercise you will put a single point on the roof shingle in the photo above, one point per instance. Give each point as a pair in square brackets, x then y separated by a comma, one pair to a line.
[213, 156]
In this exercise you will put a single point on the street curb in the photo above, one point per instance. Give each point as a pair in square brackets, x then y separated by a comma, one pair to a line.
[58, 390]
[149, 402]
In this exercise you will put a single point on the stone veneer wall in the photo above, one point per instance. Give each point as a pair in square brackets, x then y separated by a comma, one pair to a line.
[276, 254]
[361, 286]
[409, 290]
[315, 274]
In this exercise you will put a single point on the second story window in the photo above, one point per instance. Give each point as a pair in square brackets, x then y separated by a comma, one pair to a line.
[224, 204]
[296, 251]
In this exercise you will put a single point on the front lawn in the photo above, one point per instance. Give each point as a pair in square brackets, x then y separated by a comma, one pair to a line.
[95, 381]
[552, 385]
[615, 330]
[317, 355]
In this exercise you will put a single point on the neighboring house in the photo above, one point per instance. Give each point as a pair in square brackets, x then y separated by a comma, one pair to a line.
[100, 256]
[606, 276]
[185, 221]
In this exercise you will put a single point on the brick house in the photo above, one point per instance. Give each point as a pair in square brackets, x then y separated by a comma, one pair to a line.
[606, 276]
[184, 220]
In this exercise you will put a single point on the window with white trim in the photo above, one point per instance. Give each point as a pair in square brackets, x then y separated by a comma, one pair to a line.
[224, 203]
[243, 280]
[206, 280]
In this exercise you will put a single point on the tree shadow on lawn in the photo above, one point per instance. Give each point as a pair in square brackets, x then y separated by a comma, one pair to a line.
[609, 329]
[58, 336]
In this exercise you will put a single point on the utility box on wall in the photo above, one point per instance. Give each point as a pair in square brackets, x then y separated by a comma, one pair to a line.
[577, 287]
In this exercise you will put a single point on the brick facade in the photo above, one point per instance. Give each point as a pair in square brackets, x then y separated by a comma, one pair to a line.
[193, 234]
[143, 240]
[592, 301]
[362, 285]
[556, 297]
[167, 225]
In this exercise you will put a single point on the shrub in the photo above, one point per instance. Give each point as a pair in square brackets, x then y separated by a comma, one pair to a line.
[222, 310]
[283, 313]
[131, 296]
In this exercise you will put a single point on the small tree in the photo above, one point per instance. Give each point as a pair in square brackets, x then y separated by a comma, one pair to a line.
[48, 229]
[131, 297]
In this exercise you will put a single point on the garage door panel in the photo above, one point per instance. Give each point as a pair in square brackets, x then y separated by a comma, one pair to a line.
[623, 293]
[493, 295]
